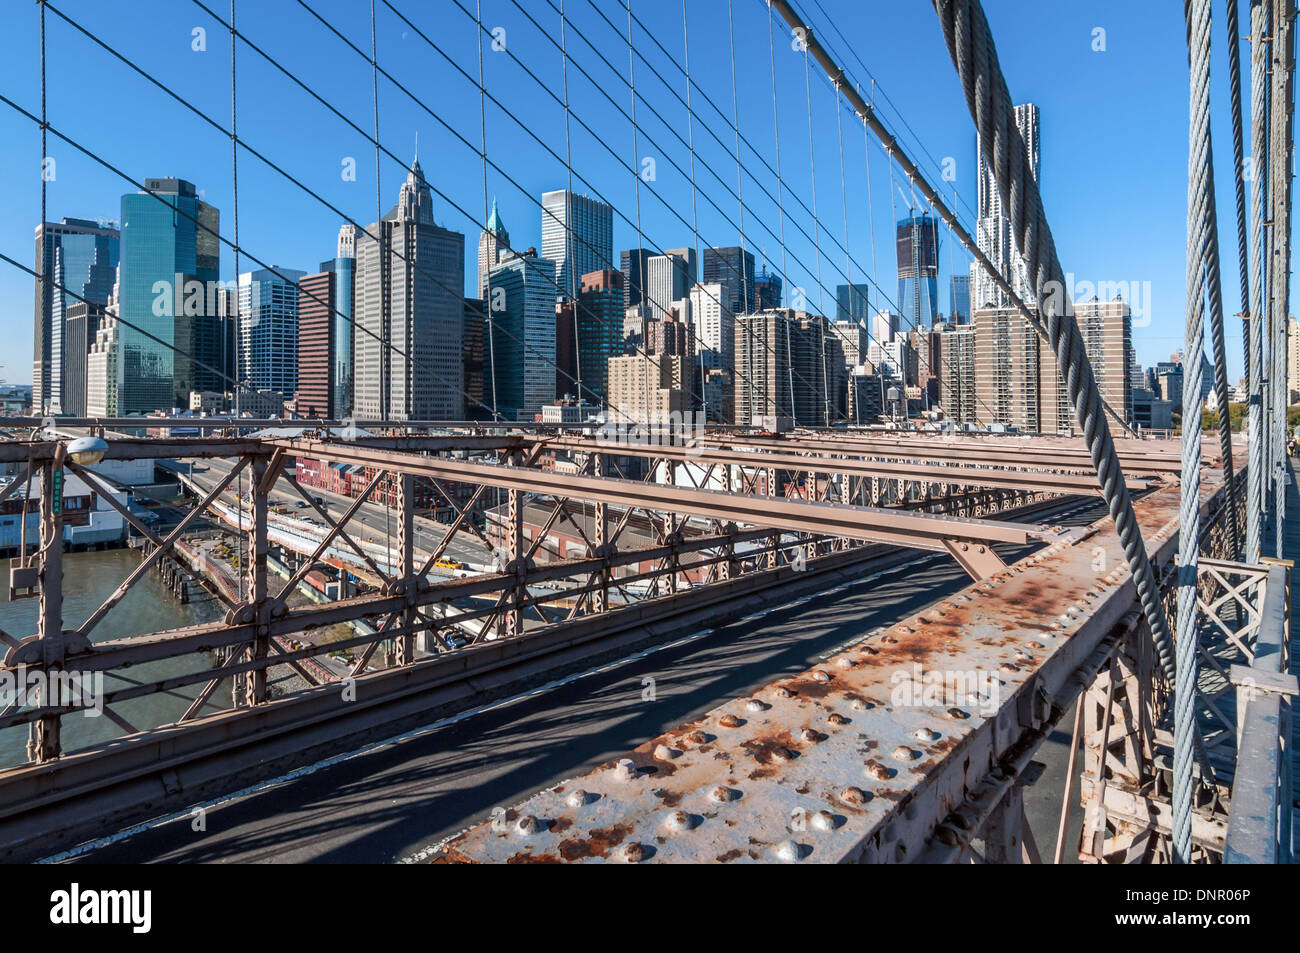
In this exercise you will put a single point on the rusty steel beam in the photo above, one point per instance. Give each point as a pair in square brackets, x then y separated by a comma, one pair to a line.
[1036, 480]
[896, 527]
[856, 759]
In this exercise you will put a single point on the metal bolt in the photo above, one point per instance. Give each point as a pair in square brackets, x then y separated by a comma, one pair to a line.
[927, 735]
[526, 825]
[665, 753]
[632, 853]
[722, 794]
[820, 676]
[731, 721]
[755, 704]
[904, 753]
[788, 851]
[835, 718]
[625, 769]
[576, 798]
[854, 795]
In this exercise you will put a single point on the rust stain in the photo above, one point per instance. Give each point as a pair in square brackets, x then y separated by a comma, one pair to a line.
[598, 844]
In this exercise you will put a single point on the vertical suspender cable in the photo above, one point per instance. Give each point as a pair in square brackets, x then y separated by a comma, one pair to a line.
[487, 288]
[1255, 495]
[1199, 222]
[1239, 184]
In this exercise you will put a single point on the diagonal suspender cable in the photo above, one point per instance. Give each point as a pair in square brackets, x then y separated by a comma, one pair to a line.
[1200, 220]
[970, 43]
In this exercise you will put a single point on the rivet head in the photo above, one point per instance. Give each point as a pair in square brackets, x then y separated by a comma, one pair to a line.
[722, 794]
[783, 692]
[904, 753]
[788, 852]
[632, 853]
[861, 704]
[878, 771]
[665, 753]
[696, 738]
[927, 735]
[810, 735]
[782, 754]
[625, 769]
[821, 821]
[844, 662]
[854, 795]
[576, 798]
[957, 713]
[527, 824]
[731, 721]
[835, 718]
[680, 821]
[755, 704]
[820, 676]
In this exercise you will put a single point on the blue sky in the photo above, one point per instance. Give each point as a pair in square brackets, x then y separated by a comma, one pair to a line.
[1114, 130]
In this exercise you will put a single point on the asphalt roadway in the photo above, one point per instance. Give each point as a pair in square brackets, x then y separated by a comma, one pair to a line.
[395, 801]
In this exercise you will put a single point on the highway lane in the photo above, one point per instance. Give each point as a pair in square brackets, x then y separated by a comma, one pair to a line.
[395, 801]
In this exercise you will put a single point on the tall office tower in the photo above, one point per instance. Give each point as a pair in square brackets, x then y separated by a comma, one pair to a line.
[957, 394]
[168, 286]
[643, 389]
[788, 365]
[75, 257]
[852, 335]
[102, 368]
[632, 262]
[578, 235]
[993, 226]
[668, 278]
[884, 325]
[325, 334]
[959, 300]
[928, 344]
[478, 403]
[918, 270]
[80, 328]
[715, 323]
[268, 329]
[767, 291]
[852, 302]
[595, 334]
[866, 397]
[345, 270]
[733, 269]
[1107, 330]
[521, 335]
[493, 243]
[410, 274]
[1006, 370]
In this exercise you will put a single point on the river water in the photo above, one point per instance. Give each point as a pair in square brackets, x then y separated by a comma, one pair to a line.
[88, 579]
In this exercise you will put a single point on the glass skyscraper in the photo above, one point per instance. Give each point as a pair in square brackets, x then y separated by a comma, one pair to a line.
[170, 257]
[918, 270]
[268, 329]
[578, 235]
[852, 302]
[519, 343]
[80, 257]
[959, 299]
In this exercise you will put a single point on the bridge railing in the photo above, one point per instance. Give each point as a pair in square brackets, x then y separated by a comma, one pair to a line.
[1260, 821]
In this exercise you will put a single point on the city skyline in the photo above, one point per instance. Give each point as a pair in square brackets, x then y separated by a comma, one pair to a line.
[72, 195]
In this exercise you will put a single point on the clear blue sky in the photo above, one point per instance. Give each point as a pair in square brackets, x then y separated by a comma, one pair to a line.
[1114, 130]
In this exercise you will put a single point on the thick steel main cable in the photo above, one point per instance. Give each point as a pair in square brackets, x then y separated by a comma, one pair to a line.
[1282, 146]
[1200, 221]
[970, 43]
[1256, 500]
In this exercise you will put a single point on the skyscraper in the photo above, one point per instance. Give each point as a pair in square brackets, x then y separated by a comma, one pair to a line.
[632, 262]
[715, 323]
[79, 256]
[852, 302]
[409, 304]
[520, 335]
[733, 269]
[767, 291]
[578, 235]
[668, 278]
[168, 286]
[493, 242]
[788, 365]
[325, 334]
[918, 270]
[993, 228]
[959, 300]
[598, 315]
[268, 329]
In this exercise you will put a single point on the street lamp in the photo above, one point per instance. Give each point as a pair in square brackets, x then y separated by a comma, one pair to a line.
[87, 451]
